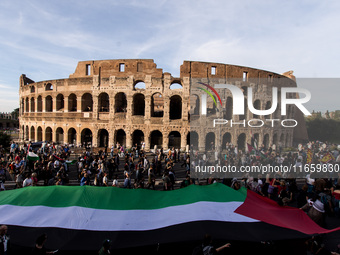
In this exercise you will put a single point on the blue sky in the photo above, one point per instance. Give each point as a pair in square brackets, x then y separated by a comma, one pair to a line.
[46, 39]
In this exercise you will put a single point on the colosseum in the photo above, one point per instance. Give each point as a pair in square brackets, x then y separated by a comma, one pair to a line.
[129, 101]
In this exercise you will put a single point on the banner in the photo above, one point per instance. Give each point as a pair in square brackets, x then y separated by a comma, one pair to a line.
[309, 156]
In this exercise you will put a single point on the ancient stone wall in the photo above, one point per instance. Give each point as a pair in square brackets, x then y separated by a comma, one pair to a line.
[128, 101]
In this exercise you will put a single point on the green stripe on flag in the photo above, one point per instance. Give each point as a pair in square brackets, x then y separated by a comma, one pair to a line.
[71, 162]
[32, 156]
[112, 198]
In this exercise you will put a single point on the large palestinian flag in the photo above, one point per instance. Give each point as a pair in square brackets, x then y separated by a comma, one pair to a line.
[80, 218]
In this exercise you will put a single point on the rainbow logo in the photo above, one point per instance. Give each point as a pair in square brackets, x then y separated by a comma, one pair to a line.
[209, 93]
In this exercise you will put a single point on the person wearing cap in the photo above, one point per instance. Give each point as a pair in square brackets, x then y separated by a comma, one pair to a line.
[105, 249]
[315, 210]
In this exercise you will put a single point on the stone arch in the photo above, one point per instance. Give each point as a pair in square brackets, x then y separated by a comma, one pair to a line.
[257, 106]
[72, 136]
[266, 141]
[72, 103]
[60, 135]
[210, 142]
[48, 134]
[241, 141]
[48, 87]
[139, 85]
[22, 106]
[175, 107]
[120, 102]
[138, 104]
[174, 140]
[60, 102]
[26, 133]
[27, 104]
[176, 85]
[39, 104]
[282, 139]
[156, 138]
[32, 104]
[226, 139]
[32, 133]
[103, 102]
[275, 139]
[120, 137]
[32, 89]
[103, 138]
[86, 138]
[211, 106]
[267, 107]
[229, 108]
[137, 137]
[48, 104]
[157, 105]
[192, 140]
[86, 102]
[39, 134]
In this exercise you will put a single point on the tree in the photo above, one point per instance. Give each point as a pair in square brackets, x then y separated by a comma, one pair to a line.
[323, 129]
[5, 140]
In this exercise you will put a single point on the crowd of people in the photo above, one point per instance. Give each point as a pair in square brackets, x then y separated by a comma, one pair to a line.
[121, 167]
[318, 194]
[133, 168]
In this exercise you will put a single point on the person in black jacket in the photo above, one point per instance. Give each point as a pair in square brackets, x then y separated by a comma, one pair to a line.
[4, 241]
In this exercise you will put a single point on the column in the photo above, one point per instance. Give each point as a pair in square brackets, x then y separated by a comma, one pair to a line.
[54, 133]
[78, 103]
[165, 140]
[95, 106]
[43, 104]
[36, 104]
[54, 104]
[129, 107]
[201, 140]
[43, 132]
[128, 139]
[183, 141]
[111, 137]
[65, 103]
[147, 107]
[166, 116]
[94, 138]
[147, 141]
[78, 137]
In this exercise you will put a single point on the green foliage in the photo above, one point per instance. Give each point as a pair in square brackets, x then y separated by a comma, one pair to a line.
[5, 140]
[323, 129]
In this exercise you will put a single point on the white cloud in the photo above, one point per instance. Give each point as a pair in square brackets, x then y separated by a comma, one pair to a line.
[278, 35]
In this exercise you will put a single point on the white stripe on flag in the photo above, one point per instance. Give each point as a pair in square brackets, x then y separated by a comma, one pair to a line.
[81, 218]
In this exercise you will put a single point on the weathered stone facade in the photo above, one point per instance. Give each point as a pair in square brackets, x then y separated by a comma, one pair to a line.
[127, 101]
